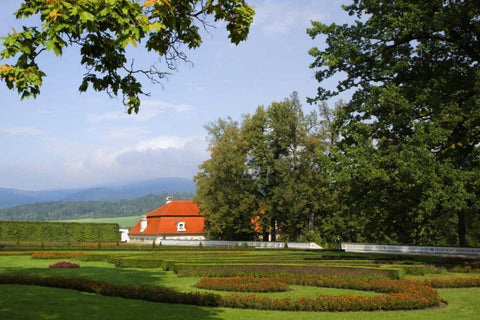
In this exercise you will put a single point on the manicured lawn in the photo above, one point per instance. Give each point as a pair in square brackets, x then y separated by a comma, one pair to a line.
[31, 302]
[123, 222]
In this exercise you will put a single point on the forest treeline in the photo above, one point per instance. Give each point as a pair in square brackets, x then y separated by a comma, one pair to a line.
[399, 162]
[67, 210]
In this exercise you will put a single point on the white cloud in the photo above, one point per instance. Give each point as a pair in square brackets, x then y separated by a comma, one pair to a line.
[148, 110]
[277, 17]
[89, 165]
[163, 142]
[167, 106]
[22, 131]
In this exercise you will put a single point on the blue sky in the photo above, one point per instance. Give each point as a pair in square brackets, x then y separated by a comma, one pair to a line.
[64, 139]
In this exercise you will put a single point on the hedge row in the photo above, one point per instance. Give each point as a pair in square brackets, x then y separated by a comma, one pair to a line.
[244, 284]
[276, 270]
[403, 295]
[139, 263]
[155, 294]
[399, 295]
[58, 231]
[57, 255]
[467, 282]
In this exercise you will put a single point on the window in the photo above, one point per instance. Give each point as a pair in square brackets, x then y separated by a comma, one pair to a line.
[181, 226]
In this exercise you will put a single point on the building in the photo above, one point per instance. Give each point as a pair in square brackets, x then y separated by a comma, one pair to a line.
[176, 220]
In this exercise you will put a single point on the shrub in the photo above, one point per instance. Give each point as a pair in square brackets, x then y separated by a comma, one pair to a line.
[57, 231]
[399, 295]
[57, 255]
[278, 270]
[453, 283]
[139, 263]
[155, 294]
[64, 264]
[244, 284]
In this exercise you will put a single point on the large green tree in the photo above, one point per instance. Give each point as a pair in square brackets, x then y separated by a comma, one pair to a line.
[224, 185]
[411, 132]
[102, 29]
[269, 170]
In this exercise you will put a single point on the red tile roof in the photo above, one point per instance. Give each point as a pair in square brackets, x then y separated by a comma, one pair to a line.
[163, 220]
[176, 209]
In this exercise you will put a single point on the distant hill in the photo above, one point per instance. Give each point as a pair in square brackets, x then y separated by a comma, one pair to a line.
[14, 197]
[69, 210]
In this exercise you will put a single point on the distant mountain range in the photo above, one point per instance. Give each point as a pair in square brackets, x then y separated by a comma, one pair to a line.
[68, 210]
[15, 197]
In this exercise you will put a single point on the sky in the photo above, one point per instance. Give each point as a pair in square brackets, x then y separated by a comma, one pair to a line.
[66, 139]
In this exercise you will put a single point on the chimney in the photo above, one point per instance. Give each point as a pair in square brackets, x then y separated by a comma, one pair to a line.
[143, 223]
[169, 199]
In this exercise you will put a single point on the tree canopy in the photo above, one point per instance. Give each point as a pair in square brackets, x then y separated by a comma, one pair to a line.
[102, 29]
[409, 154]
[265, 175]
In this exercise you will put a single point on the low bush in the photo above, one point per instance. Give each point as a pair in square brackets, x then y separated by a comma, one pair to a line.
[64, 264]
[155, 294]
[417, 270]
[399, 295]
[244, 284]
[139, 263]
[278, 270]
[97, 258]
[453, 283]
[57, 255]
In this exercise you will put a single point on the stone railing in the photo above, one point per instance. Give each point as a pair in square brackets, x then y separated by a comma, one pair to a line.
[253, 244]
[399, 249]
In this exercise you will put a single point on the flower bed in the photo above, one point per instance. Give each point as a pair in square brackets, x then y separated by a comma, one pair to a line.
[64, 264]
[400, 295]
[273, 271]
[453, 283]
[57, 255]
[155, 294]
[244, 284]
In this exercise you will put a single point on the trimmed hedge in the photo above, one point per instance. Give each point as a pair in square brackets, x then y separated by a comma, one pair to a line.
[276, 270]
[401, 295]
[469, 282]
[155, 294]
[58, 231]
[139, 263]
[56, 255]
[64, 265]
[244, 284]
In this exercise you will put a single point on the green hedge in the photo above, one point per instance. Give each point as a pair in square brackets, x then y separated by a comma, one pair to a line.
[139, 263]
[58, 231]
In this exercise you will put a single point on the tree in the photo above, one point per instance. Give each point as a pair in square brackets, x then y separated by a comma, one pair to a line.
[224, 186]
[267, 170]
[102, 29]
[411, 132]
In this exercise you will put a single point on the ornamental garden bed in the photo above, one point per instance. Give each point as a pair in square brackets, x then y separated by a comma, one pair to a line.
[286, 287]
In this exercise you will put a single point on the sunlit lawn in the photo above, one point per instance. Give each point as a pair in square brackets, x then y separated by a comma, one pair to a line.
[30, 302]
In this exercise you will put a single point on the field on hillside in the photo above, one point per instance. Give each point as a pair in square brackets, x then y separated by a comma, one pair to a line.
[291, 279]
[123, 222]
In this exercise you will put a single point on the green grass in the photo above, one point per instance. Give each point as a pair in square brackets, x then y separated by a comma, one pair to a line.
[29, 302]
[124, 222]
[107, 272]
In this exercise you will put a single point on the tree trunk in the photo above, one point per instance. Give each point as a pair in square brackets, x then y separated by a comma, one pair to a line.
[273, 231]
[311, 222]
[265, 235]
[462, 229]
